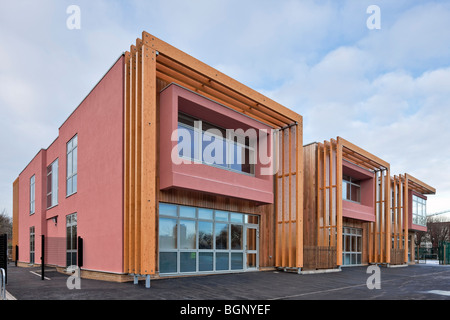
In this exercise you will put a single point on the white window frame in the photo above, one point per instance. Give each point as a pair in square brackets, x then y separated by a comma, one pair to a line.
[33, 194]
[71, 172]
[419, 211]
[357, 234]
[53, 193]
[351, 184]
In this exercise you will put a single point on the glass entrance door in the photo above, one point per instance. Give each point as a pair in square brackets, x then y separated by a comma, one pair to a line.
[251, 247]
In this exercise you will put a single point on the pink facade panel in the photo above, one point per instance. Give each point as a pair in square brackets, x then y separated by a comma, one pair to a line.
[365, 210]
[175, 173]
[98, 201]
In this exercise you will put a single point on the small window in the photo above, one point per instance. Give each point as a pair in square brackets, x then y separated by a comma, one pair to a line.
[351, 189]
[72, 154]
[32, 194]
[52, 184]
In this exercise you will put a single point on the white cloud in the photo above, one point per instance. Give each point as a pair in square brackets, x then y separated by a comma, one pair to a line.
[386, 90]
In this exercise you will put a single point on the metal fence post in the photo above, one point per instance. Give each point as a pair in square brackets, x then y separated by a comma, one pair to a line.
[17, 255]
[42, 256]
[4, 255]
[80, 252]
[2, 284]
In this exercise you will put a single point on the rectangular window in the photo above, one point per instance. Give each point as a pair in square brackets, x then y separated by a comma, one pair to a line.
[351, 246]
[72, 150]
[32, 194]
[71, 240]
[32, 235]
[351, 189]
[209, 144]
[52, 184]
[419, 211]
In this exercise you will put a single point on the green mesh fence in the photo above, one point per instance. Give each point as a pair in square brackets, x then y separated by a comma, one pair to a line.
[444, 253]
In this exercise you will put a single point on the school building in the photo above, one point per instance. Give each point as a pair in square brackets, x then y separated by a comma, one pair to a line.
[169, 167]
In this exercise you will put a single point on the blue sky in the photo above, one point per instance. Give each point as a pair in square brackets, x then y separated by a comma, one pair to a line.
[386, 90]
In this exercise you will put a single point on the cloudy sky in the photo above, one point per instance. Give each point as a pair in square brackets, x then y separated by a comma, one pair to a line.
[386, 90]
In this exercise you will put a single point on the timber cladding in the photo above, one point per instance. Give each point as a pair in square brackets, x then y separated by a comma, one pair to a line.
[151, 65]
[323, 210]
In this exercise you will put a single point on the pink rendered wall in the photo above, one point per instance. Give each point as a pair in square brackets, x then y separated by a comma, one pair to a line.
[365, 210]
[35, 167]
[98, 123]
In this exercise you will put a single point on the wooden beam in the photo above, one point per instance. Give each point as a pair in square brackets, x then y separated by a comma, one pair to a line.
[188, 85]
[215, 75]
[299, 192]
[414, 182]
[209, 85]
[132, 167]
[330, 198]
[387, 212]
[174, 76]
[339, 222]
[290, 195]
[149, 161]
[283, 192]
[364, 153]
[395, 211]
[406, 213]
[138, 147]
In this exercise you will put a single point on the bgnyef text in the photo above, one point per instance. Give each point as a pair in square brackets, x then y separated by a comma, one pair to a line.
[257, 309]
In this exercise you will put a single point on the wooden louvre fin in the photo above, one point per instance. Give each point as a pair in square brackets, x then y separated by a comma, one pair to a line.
[140, 150]
[329, 215]
[289, 199]
[151, 62]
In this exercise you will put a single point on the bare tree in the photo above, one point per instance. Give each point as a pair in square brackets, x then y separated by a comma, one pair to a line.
[438, 230]
[5, 223]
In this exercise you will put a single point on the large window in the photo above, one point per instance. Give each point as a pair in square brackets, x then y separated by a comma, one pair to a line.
[198, 240]
[32, 194]
[209, 144]
[72, 149]
[419, 211]
[352, 246]
[52, 184]
[351, 189]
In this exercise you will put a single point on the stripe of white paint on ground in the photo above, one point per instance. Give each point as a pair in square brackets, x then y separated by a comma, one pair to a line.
[39, 275]
[9, 296]
[440, 292]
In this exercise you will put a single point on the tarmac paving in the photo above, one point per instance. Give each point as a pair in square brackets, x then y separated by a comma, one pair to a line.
[414, 282]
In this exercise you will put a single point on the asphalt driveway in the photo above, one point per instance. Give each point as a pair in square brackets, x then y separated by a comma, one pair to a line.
[421, 282]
